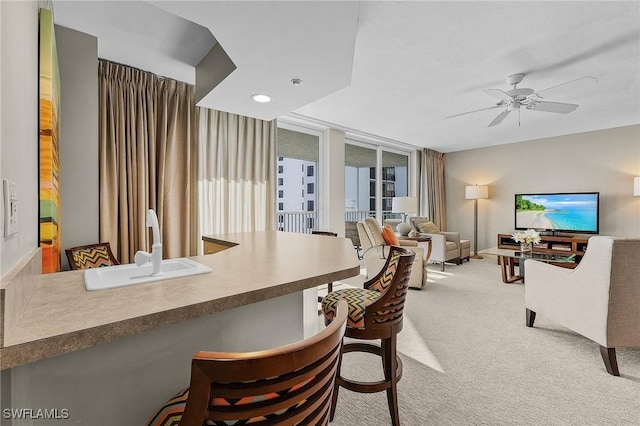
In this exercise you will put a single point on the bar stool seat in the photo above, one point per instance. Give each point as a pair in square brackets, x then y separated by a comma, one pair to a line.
[375, 312]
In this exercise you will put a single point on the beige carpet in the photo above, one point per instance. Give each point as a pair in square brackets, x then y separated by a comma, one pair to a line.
[470, 360]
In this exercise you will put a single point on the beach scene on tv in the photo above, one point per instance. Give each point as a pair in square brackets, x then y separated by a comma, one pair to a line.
[561, 212]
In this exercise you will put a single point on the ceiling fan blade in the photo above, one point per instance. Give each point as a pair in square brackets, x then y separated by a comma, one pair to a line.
[557, 107]
[498, 93]
[499, 118]
[477, 110]
[567, 82]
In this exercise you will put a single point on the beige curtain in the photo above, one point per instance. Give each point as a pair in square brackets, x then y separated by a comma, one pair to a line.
[236, 172]
[147, 149]
[432, 191]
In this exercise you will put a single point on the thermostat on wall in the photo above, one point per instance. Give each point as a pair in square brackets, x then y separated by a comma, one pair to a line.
[10, 207]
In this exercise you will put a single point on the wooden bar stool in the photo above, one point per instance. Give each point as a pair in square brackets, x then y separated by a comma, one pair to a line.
[329, 234]
[287, 385]
[375, 312]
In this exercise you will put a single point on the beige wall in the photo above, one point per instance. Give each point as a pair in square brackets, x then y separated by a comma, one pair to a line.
[19, 123]
[605, 161]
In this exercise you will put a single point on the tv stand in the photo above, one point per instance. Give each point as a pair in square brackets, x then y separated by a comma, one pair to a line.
[552, 245]
[549, 233]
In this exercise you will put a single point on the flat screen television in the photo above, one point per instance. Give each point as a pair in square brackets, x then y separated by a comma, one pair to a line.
[558, 212]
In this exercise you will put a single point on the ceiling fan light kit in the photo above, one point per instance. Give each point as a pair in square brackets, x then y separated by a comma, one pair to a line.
[516, 98]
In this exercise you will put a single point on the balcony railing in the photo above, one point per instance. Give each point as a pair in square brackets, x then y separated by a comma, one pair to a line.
[303, 222]
[306, 222]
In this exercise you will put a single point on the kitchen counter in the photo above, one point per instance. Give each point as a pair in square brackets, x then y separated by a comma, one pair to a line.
[60, 316]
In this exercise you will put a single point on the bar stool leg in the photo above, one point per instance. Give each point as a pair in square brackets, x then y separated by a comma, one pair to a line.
[329, 290]
[389, 360]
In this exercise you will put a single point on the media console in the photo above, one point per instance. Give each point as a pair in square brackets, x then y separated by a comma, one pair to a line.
[552, 245]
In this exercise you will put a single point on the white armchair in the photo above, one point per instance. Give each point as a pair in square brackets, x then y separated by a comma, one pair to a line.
[375, 252]
[599, 299]
[446, 246]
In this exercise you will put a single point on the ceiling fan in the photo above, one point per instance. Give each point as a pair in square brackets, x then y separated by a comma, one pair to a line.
[515, 99]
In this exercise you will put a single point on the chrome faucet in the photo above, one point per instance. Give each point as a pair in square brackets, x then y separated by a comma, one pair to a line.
[155, 257]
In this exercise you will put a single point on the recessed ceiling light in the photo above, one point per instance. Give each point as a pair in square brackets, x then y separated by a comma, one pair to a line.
[296, 81]
[261, 98]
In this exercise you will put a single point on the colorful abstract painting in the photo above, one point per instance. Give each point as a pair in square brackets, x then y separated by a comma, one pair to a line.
[49, 146]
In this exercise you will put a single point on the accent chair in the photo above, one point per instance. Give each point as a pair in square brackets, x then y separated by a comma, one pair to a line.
[446, 245]
[599, 299]
[375, 251]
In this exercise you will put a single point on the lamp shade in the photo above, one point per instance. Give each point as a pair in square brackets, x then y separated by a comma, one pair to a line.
[636, 186]
[404, 205]
[476, 192]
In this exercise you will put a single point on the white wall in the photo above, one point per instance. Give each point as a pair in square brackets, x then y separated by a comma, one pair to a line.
[19, 123]
[605, 161]
[79, 192]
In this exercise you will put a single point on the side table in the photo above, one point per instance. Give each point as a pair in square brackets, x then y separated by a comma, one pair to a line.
[423, 239]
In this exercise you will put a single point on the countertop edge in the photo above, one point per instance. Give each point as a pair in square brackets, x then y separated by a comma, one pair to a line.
[24, 353]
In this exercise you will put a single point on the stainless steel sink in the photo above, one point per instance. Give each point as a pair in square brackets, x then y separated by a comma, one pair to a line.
[130, 274]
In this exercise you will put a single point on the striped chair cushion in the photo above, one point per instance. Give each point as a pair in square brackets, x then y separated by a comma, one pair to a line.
[170, 414]
[357, 299]
[94, 257]
[386, 278]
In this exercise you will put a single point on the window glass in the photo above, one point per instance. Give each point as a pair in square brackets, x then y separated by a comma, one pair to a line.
[297, 158]
[373, 177]
[359, 182]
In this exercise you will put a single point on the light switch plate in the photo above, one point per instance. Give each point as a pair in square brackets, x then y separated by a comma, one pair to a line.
[10, 207]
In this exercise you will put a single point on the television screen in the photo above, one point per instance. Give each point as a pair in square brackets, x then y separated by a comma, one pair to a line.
[558, 212]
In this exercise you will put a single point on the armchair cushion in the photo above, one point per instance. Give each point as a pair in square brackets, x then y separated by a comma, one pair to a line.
[390, 238]
[373, 231]
[416, 220]
[428, 228]
[358, 300]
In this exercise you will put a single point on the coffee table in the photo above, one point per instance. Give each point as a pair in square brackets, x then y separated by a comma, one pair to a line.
[508, 259]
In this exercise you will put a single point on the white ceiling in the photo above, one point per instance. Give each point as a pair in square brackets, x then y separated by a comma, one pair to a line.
[394, 69]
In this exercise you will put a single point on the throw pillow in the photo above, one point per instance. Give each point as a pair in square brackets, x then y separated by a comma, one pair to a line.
[389, 236]
[428, 228]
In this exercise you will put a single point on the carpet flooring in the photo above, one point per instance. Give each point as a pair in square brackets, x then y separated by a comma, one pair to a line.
[469, 359]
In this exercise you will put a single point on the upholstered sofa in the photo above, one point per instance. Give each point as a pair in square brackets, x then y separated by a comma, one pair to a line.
[446, 245]
[599, 299]
[375, 251]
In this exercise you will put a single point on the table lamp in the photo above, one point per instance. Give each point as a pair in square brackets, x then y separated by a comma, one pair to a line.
[404, 205]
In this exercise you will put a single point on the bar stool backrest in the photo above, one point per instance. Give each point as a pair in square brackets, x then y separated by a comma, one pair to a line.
[393, 281]
[287, 385]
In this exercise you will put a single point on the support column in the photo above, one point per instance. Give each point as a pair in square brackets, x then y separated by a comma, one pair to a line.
[333, 181]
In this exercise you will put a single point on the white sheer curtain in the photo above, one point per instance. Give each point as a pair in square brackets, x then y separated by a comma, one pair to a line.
[236, 172]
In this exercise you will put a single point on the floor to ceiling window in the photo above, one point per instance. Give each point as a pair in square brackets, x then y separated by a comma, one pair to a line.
[395, 181]
[298, 154]
[373, 176]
